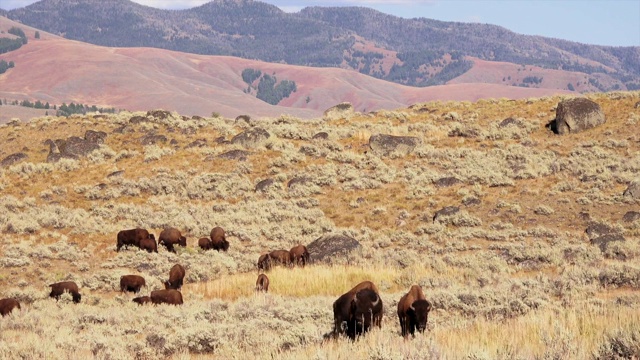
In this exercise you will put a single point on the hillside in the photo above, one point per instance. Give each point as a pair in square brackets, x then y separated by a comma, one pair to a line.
[415, 52]
[523, 240]
[137, 79]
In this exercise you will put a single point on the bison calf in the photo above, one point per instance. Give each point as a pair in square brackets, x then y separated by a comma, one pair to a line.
[131, 283]
[7, 305]
[205, 243]
[169, 296]
[149, 244]
[59, 288]
[141, 300]
[176, 276]
[262, 284]
[413, 311]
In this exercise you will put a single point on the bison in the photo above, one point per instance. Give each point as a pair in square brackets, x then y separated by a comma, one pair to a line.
[264, 262]
[219, 239]
[7, 305]
[262, 284]
[176, 276]
[149, 244]
[349, 307]
[205, 243]
[141, 300]
[59, 288]
[170, 237]
[131, 237]
[131, 283]
[413, 311]
[168, 296]
[299, 255]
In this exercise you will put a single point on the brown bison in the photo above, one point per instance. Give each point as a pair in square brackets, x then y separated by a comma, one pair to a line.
[176, 276]
[7, 305]
[299, 255]
[264, 262]
[413, 311]
[170, 237]
[205, 243]
[359, 308]
[219, 239]
[131, 283]
[168, 296]
[59, 288]
[149, 244]
[262, 284]
[141, 300]
[131, 237]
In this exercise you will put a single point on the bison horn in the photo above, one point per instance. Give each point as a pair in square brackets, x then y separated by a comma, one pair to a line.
[412, 308]
[377, 301]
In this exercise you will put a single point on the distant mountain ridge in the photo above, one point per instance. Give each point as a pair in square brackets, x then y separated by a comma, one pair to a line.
[415, 52]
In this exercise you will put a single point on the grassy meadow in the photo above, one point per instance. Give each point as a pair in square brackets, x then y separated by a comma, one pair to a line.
[512, 275]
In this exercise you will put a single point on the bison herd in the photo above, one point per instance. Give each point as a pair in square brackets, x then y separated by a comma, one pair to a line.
[354, 312]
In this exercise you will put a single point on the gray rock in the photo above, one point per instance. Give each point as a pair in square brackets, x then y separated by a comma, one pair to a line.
[240, 155]
[331, 249]
[152, 139]
[385, 145]
[320, 136]
[576, 115]
[446, 181]
[341, 111]
[138, 119]
[631, 216]
[13, 158]
[633, 190]
[445, 212]
[197, 143]
[264, 185]
[159, 114]
[604, 241]
[251, 138]
[595, 230]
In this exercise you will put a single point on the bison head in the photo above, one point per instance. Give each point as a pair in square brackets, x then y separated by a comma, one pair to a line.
[418, 314]
[182, 241]
[365, 307]
[76, 297]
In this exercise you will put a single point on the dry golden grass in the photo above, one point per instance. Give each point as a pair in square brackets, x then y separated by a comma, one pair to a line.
[512, 275]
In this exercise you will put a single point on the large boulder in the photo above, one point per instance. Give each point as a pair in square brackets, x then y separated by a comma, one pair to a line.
[12, 159]
[633, 190]
[331, 249]
[385, 145]
[341, 111]
[576, 115]
[251, 138]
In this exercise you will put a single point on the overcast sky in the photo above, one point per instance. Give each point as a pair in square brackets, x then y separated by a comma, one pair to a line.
[598, 22]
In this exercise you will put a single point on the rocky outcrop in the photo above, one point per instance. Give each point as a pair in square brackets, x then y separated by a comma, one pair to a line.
[576, 115]
[330, 249]
[251, 138]
[75, 147]
[386, 145]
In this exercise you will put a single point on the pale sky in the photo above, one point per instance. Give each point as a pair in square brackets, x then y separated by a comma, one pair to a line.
[596, 22]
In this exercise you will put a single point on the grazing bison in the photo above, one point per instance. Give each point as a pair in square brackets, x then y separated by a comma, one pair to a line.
[7, 305]
[149, 244]
[413, 311]
[131, 237]
[59, 288]
[205, 243]
[264, 262]
[141, 300]
[168, 296]
[131, 283]
[219, 239]
[299, 255]
[282, 257]
[170, 237]
[343, 309]
[176, 276]
[262, 284]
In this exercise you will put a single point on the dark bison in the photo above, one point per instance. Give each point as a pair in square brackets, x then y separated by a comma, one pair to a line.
[141, 300]
[131, 283]
[59, 288]
[7, 305]
[351, 308]
[176, 276]
[219, 239]
[168, 296]
[413, 311]
[149, 244]
[266, 261]
[205, 243]
[131, 237]
[299, 255]
[170, 237]
[262, 284]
